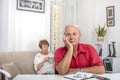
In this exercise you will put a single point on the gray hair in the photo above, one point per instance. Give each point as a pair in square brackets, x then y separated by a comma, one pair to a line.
[74, 25]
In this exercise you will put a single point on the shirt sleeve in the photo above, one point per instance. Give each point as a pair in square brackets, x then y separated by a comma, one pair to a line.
[58, 56]
[94, 57]
[38, 59]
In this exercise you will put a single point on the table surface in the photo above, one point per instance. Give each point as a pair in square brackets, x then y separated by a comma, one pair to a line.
[113, 76]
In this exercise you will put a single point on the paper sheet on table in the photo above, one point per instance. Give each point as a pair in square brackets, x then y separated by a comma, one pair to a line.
[78, 75]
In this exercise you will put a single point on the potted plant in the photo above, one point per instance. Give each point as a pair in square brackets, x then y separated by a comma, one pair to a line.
[101, 32]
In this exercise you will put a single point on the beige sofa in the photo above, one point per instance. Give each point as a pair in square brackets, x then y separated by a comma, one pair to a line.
[22, 60]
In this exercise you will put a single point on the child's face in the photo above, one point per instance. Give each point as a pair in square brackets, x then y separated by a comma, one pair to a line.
[45, 47]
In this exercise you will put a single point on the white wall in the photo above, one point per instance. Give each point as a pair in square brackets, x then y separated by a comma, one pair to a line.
[25, 28]
[0, 13]
[0, 18]
[87, 20]
[101, 18]
[4, 25]
[94, 14]
[22, 29]
[113, 32]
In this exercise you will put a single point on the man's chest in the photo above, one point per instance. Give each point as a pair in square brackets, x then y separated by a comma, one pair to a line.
[80, 61]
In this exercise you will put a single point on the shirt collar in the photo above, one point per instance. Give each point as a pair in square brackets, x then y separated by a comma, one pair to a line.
[81, 48]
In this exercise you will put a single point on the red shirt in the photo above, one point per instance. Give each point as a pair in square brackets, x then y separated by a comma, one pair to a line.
[87, 57]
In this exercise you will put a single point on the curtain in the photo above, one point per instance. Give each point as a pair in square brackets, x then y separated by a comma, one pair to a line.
[63, 12]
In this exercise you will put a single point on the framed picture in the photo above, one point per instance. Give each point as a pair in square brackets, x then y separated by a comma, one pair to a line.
[110, 12]
[110, 22]
[31, 5]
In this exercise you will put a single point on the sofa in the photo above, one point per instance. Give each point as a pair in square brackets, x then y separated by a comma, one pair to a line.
[17, 62]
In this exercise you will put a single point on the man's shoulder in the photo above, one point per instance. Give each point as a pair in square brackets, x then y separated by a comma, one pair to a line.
[60, 49]
[86, 45]
[83, 44]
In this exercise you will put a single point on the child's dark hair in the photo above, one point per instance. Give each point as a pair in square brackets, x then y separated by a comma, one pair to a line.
[45, 42]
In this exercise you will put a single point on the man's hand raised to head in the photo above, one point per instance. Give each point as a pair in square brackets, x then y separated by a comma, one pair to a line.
[67, 43]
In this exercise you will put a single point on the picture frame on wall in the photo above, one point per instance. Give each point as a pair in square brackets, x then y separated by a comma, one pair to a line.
[110, 22]
[31, 5]
[110, 12]
[110, 15]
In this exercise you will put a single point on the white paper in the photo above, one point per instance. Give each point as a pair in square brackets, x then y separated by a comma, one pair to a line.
[78, 75]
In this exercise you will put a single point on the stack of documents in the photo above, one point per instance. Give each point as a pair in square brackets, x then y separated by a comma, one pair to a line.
[84, 76]
[79, 76]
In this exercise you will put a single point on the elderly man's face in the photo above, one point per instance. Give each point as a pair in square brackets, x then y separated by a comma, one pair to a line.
[73, 35]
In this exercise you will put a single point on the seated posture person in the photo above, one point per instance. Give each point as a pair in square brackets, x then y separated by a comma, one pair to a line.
[75, 57]
[43, 61]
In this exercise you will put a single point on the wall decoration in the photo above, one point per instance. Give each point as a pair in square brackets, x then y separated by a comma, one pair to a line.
[31, 5]
[110, 22]
[110, 14]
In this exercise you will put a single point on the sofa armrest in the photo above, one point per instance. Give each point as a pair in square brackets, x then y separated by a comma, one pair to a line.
[5, 74]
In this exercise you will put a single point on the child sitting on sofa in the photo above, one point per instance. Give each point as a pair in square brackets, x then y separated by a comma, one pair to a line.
[43, 61]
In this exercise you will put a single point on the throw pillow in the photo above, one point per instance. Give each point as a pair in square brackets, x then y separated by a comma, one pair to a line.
[11, 68]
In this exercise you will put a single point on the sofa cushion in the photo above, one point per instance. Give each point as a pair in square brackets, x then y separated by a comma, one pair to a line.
[24, 62]
[11, 68]
[22, 59]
